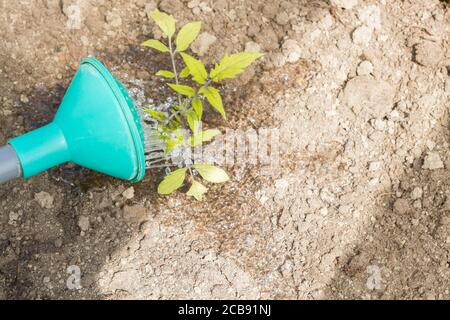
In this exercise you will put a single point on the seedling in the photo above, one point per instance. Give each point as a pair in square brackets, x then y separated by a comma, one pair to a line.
[196, 91]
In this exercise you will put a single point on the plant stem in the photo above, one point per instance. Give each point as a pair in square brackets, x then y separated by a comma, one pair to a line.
[190, 171]
[174, 67]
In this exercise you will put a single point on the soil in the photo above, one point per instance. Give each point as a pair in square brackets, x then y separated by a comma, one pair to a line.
[359, 91]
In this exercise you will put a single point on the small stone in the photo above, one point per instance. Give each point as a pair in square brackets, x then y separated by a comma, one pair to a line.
[58, 243]
[362, 35]
[365, 68]
[327, 196]
[428, 54]
[192, 4]
[134, 214]
[46, 279]
[416, 193]
[376, 97]
[270, 9]
[278, 60]
[433, 161]
[370, 16]
[13, 216]
[291, 51]
[401, 206]
[44, 199]
[345, 4]
[204, 7]
[202, 43]
[129, 193]
[281, 185]
[417, 204]
[83, 223]
[375, 166]
[282, 18]
[323, 212]
[379, 124]
[113, 19]
[252, 47]
[24, 98]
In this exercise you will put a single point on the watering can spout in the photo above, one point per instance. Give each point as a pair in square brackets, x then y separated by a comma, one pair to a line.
[96, 126]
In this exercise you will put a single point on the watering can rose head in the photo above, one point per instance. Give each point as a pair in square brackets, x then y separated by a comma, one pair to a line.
[77, 135]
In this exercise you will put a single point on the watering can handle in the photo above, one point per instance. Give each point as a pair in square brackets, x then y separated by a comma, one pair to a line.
[9, 164]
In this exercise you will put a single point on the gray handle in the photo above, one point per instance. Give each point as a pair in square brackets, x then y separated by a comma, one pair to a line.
[9, 164]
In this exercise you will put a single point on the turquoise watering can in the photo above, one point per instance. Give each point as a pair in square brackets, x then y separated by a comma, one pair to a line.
[96, 126]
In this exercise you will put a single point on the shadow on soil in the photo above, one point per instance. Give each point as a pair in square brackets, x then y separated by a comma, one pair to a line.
[404, 253]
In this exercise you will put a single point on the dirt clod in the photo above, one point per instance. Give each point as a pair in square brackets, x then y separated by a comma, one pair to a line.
[84, 223]
[433, 161]
[428, 54]
[44, 199]
[128, 193]
[203, 42]
[375, 97]
[134, 214]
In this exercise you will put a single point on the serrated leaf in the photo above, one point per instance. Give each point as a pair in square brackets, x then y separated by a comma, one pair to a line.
[185, 73]
[182, 89]
[204, 136]
[213, 96]
[232, 65]
[197, 190]
[166, 74]
[198, 107]
[193, 121]
[187, 35]
[172, 182]
[156, 44]
[164, 21]
[211, 173]
[160, 116]
[196, 68]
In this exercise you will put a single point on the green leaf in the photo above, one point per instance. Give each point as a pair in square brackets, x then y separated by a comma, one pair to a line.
[214, 98]
[184, 90]
[164, 21]
[172, 182]
[197, 190]
[178, 108]
[175, 141]
[205, 136]
[187, 35]
[211, 173]
[230, 66]
[156, 44]
[196, 68]
[185, 73]
[160, 116]
[166, 74]
[192, 119]
[198, 107]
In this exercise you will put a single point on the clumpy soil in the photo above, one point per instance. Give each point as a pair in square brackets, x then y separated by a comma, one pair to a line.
[360, 207]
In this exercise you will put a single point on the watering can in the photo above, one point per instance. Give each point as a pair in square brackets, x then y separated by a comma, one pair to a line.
[96, 126]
